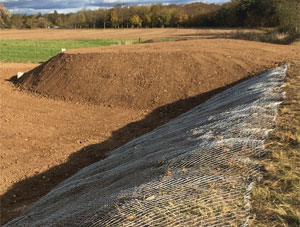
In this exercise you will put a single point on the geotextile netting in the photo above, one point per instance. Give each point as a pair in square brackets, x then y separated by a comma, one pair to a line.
[196, 170]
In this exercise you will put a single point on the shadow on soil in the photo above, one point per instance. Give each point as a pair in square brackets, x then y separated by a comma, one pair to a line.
[13, 79]
[27, 191]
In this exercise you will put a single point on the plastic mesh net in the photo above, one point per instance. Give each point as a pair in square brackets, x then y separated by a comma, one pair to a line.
[196, 170]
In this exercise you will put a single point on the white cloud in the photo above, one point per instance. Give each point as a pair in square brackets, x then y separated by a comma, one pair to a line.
[67, 6]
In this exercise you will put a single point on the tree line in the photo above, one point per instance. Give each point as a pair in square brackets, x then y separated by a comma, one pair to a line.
[236, 13]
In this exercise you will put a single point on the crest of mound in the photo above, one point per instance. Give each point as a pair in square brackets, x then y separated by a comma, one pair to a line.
[146, 76]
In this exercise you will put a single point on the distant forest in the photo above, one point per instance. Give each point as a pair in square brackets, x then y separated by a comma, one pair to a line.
[283, 14]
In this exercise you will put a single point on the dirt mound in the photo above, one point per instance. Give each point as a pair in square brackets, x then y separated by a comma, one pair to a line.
[150, 75]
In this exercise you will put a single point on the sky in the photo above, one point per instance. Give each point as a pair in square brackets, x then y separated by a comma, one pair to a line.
[67, 6]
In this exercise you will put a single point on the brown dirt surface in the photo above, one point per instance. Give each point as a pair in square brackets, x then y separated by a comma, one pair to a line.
[92, 34]
[146, 76]
[137, 88]
[38, 134]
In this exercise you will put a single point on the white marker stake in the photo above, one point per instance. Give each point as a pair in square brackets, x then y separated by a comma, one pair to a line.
[20, 74]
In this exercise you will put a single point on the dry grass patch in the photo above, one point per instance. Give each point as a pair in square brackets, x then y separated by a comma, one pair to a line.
[276, 200]
[268, 36]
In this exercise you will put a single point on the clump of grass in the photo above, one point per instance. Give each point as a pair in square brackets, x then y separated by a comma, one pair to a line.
[156, 40]
[276, 200]
[41, 50]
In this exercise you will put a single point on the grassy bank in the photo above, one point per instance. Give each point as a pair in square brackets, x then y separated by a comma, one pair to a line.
[267, 37]
[41, 50]
[276, 200]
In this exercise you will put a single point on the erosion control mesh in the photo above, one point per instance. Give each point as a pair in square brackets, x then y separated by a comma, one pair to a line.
[198, 169]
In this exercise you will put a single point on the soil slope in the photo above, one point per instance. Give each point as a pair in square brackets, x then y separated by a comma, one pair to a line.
[38, 135]
[146, 76]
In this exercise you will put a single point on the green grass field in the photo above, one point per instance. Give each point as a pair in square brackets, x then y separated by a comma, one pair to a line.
[41, 50]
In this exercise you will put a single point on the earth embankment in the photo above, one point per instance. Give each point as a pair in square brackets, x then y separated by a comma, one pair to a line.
[147, 76]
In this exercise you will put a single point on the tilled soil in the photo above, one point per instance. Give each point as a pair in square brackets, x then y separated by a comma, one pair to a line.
[39, 134]
[143, 33]
[132, 89]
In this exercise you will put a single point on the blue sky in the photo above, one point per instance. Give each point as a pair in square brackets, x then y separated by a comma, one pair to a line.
[66, 6]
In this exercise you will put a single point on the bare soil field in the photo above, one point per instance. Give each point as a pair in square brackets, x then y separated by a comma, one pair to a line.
[132, 89]
[38, 134]
[92, 34]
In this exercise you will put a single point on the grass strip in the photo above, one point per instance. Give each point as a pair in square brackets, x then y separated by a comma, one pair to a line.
[36, 51]
[276, 199]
